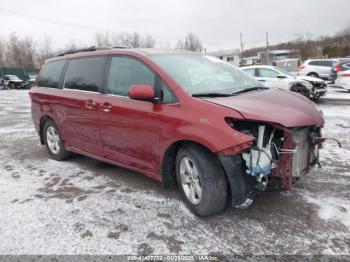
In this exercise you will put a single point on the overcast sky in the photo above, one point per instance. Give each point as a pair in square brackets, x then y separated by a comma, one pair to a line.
[217, 23]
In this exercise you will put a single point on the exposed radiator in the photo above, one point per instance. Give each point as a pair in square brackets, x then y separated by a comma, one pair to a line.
[300, 157]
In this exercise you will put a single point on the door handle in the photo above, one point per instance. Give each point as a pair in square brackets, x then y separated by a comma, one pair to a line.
[106, 107]
[262, 80]
[90, 104]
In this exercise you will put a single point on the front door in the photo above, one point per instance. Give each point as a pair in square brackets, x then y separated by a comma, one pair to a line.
[130, 129]
[270, 79]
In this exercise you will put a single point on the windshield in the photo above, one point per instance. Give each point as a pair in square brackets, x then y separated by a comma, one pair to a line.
[204, 74]
[13, 77]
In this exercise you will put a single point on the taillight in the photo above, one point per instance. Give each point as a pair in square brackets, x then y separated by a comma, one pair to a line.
[337, 68]
[301, 67]
[346, 75]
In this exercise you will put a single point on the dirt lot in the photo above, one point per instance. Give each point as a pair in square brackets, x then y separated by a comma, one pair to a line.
[83, 206]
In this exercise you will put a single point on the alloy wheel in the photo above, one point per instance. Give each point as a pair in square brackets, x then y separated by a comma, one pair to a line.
[190, 181]
[53, 139]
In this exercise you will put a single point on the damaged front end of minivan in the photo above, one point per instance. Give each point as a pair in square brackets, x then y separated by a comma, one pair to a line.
[277, 158]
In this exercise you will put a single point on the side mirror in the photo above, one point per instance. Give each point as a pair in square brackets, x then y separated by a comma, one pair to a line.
[142, 92]
[281, 76]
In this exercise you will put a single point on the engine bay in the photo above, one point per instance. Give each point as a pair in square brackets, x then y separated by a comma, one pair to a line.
[278, 156]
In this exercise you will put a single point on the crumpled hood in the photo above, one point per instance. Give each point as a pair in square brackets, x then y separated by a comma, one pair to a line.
[310, 79]
[274, 105]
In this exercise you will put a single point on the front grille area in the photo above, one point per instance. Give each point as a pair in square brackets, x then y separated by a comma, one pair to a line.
[300, 157]
[319, 85]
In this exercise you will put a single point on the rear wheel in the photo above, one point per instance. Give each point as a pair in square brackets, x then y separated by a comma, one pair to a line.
[53, 141]
[313, 75]
[201, 180]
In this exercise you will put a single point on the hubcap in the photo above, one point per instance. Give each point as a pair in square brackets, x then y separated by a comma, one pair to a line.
[52, 139]
[190, 180]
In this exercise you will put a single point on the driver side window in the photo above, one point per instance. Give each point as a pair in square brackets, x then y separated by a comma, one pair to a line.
[125, 72]
[264, 72]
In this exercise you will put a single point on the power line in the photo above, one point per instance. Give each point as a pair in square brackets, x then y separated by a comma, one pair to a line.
[52, 21]
[86, 27]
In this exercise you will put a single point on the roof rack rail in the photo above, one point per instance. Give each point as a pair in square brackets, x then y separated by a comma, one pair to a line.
[89, 49]
[73, 51]
[120, 47]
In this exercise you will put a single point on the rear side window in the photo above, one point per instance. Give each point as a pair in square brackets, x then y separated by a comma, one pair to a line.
[250, 71]
[264, 72]
[85, 74]
[125, 72]
[51, 73]
[315, 63]
[321, 63]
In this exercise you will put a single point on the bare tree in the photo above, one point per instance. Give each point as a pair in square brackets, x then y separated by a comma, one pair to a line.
[133, 40]
[14, 51]
[103, 39]
[2, 53]
[148, 41]
[44, 51]
[191, 43]
[29, 52]
[345, 31]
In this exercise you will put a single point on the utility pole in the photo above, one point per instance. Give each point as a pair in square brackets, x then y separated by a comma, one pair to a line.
[267, 49]
[241, 37]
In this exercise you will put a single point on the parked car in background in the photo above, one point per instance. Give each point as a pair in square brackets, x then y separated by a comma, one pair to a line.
[275, 77]
[31, 77]
[343, 65]
[177, 116]
[343, 79]
[12, 81]
[29, 81]
[2, 84]
[320, 68]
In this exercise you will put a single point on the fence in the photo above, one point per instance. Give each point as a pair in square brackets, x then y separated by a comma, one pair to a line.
[20, 72]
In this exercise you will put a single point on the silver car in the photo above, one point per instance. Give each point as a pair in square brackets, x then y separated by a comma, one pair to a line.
[275, 77]
[317, 68]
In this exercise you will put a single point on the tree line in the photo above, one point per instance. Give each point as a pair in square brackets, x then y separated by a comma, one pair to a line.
[308, 47]
[25, 52]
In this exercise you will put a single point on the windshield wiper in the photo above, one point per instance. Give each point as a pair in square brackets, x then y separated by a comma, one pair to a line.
[250, 89]
[211, 94]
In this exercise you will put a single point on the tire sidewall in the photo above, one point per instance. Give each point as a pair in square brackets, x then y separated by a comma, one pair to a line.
[62, 153]
[206, 181]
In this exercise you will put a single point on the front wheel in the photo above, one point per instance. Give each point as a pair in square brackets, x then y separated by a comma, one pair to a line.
[201, 180]
[53, 141]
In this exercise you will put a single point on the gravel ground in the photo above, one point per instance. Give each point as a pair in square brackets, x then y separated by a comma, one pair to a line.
[83, 206]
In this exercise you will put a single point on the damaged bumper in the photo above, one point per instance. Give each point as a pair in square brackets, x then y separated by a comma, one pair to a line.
[278, 157]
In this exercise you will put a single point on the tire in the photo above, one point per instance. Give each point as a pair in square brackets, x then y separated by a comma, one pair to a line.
[197, 168]
[313, 75]
[301, 90]
[53, 141]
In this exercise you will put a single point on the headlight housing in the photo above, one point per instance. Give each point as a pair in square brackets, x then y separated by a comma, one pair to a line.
[308, 85]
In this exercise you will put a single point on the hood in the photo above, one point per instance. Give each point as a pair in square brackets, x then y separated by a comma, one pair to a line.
[275, 106]
[309, 79]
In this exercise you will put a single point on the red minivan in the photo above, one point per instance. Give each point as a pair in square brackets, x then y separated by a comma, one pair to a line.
[178, 117]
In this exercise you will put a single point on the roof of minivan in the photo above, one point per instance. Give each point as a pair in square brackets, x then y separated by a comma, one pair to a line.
[142, 51]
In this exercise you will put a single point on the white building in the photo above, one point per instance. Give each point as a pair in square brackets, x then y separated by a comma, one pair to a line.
[232, 56]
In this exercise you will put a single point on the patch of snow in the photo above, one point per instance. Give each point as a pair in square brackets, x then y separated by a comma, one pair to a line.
[331, 208]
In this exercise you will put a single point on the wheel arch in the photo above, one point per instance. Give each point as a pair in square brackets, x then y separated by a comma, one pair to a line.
[313, 73]
[239, 185]
[167, 167]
